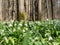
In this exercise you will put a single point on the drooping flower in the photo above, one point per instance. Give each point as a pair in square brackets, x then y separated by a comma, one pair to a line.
[10, 25]
[50, 38]
[36, 38]
[47, 19]
[26, 24]
[20, 24]
[23, 30]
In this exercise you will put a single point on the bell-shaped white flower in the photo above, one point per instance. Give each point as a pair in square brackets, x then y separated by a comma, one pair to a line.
[50, 38]
[46, 19]
[36, 38]
[20, 24]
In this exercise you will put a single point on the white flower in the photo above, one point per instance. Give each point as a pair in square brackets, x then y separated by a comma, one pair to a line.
[10, 25]
[50, 38]
[37, 22]
[23, 30]
[14, 30]
[33, 40]
[26, 25]
[20, 24]
[12, 21]
[15, 24]
[2, 30]
[26, 28]
[36, 38]
[47, 19]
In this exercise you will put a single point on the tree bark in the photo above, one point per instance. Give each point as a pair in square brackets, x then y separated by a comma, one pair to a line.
[9, 10]
[27, 9]
[5, 10]
[0, 10]
[40, 9]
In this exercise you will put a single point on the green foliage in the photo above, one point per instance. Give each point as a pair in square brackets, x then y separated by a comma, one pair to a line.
[30, 33]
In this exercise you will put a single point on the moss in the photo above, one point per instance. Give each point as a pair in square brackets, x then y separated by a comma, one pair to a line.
[21, 16]
[31, 18]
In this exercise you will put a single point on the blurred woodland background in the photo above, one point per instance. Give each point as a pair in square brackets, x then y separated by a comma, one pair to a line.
[31, 10]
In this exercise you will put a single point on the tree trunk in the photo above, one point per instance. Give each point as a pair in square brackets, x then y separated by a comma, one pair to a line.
[9, 10]
[21, 6]
[0, 10]
[40, 9]
[27, 8]
[5, 10]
